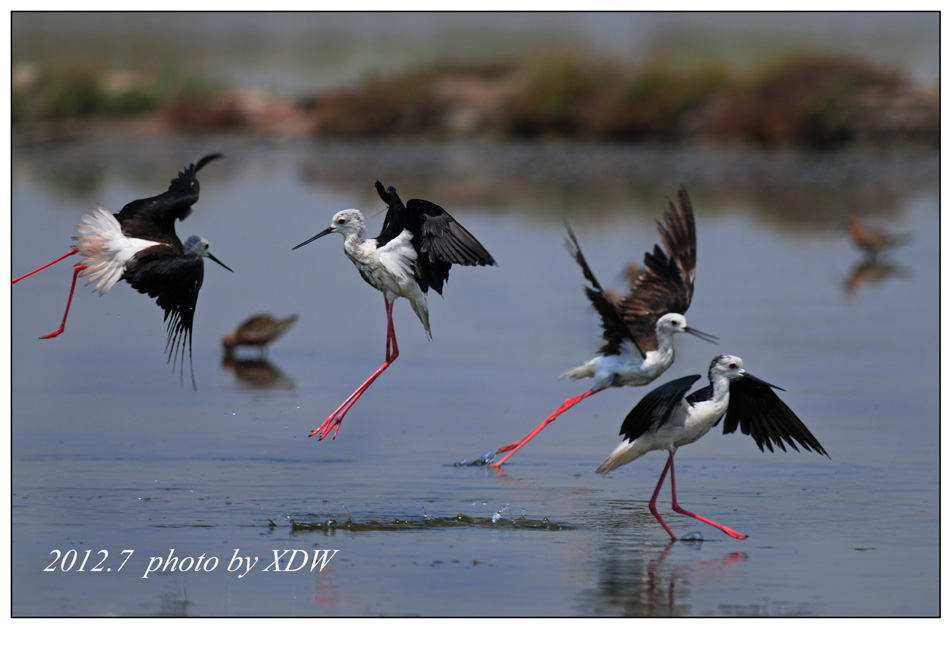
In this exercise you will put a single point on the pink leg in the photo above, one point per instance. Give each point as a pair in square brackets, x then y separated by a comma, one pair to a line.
[515, 446]
[676, 508]
[71, 252]
[392, 351]
[69, 301]
[656, 492]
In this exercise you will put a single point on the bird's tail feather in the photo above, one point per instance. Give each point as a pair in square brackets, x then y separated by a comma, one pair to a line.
[100, 240]
[625, 452]
[577, 373]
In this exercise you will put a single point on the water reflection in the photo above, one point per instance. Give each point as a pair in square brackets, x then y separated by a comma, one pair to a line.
[636, 578]
[771, 271]
[872, 271]
[794, 191]
[256, 373]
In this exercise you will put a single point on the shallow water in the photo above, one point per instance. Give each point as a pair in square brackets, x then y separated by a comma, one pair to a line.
[112, 452]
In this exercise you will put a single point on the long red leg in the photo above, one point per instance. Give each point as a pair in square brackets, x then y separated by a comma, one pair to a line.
[515, 446]
[656, 492]
[676, 508]
[71, 252]
[392, 351]
[69, 301]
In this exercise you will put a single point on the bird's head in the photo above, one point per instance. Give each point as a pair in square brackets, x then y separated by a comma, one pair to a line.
[195, 245]
[348, 222]
[673, 323]
[727, 366]
[731, 368]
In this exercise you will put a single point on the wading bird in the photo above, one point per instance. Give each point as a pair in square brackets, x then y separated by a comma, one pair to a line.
[139, 245]
[638, 330]
[169, 274]
[667, 418]
[873, 241]
[150, 219]
[417, 246]
[257, 331]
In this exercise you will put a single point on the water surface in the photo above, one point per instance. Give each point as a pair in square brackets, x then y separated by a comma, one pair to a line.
[112, 452]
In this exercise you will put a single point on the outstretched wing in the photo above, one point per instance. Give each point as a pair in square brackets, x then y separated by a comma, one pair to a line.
[439, 239]
[666, 284]
[758, 411]
[656, 408]
[154, 218]
[396, 217]
[615, 329]
[173, 280]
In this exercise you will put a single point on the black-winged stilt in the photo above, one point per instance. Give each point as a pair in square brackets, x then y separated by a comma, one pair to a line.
[257, 331]
[150, 219]
[417, 246]
[638, 330]
[873, 241]
[169, 274]
[667, 418]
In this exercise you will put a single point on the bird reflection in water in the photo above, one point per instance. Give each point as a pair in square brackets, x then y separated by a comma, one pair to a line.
[259, 330]
[873, 268]
[257, 373]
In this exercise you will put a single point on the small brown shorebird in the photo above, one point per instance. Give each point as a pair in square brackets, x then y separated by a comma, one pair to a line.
[871, 240]
[638, 330]
[667, 418]
[258, 331]
[415, 249]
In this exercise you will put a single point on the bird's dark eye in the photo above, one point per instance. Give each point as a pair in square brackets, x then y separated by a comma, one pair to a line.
[732, 366]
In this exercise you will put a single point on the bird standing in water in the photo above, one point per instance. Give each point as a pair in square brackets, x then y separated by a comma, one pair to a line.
[415, 249]
[257, 331]
[667, 418]
[871, 240]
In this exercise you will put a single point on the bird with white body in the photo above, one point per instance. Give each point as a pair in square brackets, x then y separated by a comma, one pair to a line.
[667, 419]
[415, 249]
[638, 330]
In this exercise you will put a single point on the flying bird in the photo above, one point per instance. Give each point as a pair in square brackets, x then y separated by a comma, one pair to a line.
[667, 418]
[418, 244]
[148, 219]
[638, 330]
[170, 274]
[139, 245]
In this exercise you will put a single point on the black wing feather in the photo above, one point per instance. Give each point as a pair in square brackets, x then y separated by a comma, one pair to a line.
[656, 408]
[153, 218]
[439, 239]
[758, 411]
[173, 280]
[396, 216]
[615, 329]
[666, 284]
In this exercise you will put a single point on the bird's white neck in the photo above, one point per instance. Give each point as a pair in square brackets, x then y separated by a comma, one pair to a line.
[720, 391]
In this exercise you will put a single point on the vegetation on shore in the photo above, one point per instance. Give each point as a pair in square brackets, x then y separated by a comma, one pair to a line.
[812, 100]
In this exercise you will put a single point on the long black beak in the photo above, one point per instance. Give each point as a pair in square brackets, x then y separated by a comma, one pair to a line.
[709, 338]
[314, 238]
[212, 257]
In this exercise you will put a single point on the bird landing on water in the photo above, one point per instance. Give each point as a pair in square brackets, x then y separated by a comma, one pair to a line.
[418, 244]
